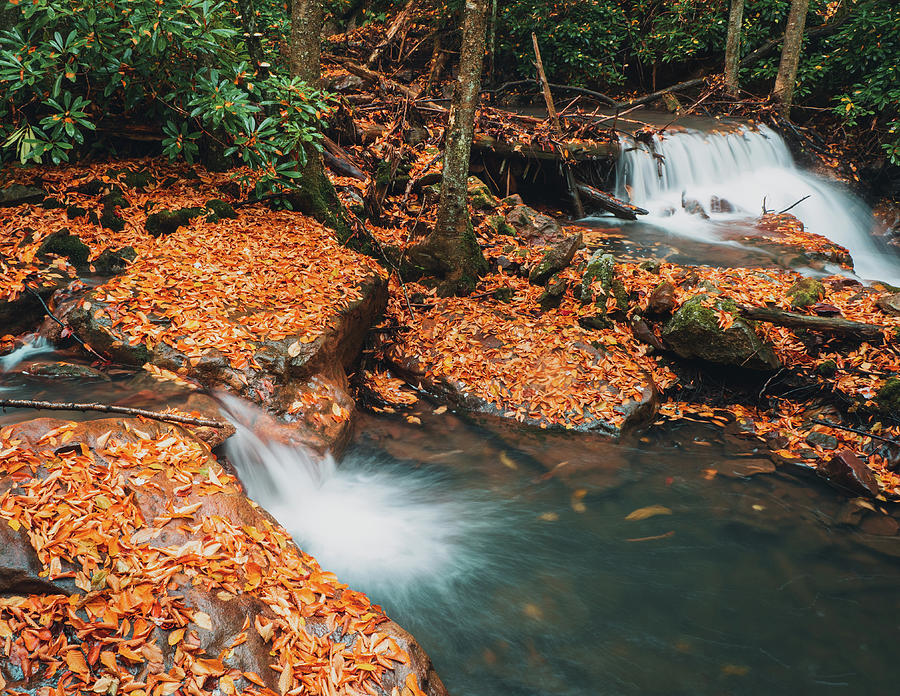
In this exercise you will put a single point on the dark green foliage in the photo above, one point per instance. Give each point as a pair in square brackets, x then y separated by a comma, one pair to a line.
[62, 243]
[167, 221]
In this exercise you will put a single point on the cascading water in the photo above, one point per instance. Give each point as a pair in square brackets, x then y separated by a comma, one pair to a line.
[33, 346]
[743, 168]
[390, 531]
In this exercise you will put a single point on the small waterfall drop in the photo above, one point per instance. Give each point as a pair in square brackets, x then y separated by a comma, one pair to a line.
[35, 345]
[742, 167]
[392, 532]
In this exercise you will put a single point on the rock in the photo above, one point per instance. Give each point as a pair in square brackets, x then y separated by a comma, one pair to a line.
[480, 195]
[662, 299]
[888, 397]
[534, 227]
[642, 332]
[720, 205]
[513, 200]
[694, 207]
[880, 525]
[827, 368]
[694, 332]
[499, 225]
[848, 472]
[554, 292]
[112, 262]
[248, 599]
[92, 187]
[741, 467]
[555, 259]
[805, 293]
[17, 194]
[64, 370]
[132, 178]
[602, 267]
[65, 244]
[167, 221]
[890, 304]
[823, 440]
[219, 210]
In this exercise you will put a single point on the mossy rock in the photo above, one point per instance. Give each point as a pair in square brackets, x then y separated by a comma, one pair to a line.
[62, 243]
[111, 262]
[52, 204]
[553, 293]
[115, 198]
[167, 221]
[694, 332]
[602, 267]
[219, 210]
[480, 195]
[888, 397]
[555, 259]
[94, 187]
[828, 368]
[498, 225]
[805, 293]
[74, 211]
[132, 179]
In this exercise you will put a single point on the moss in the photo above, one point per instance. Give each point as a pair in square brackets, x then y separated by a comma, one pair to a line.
[111, 262]
[602, 267]
[62, 243]
[74, 211]
[805, 293]
[94, 187]
[888, 397]
[132, 179]
[499, 225]
[828, 368]
[115, 198]
[480, 195]
[167, 221]
[219, 210]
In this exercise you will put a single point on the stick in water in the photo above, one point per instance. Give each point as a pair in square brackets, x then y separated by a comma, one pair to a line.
[108, 408]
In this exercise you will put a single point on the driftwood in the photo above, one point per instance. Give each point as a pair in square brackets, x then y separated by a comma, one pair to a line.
[830, 325]
[557, 129]
[610, 204]
[108, 408]
[399, 22]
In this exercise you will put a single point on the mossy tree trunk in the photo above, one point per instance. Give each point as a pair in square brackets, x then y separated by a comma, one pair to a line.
[451, 251]
[315, 195]
[733, 48]
[786, 79]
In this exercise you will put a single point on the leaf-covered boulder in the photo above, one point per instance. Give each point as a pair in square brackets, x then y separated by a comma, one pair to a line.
[131, 559]
[534, 227]
[600, 282]
[167, 221]
[694, 331]
[555, 259]
[805, 293]
[480, 195]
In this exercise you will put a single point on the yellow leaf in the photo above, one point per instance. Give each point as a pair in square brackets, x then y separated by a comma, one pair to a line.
[649, 511]
[203, 620]
[286, 679]
[294, 349]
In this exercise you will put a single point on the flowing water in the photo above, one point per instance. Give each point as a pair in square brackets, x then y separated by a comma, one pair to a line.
[745, 168]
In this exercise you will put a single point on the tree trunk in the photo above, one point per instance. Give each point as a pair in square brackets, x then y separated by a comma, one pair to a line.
[733, 47]
[315, 195]
[451, 250]
[790, 56]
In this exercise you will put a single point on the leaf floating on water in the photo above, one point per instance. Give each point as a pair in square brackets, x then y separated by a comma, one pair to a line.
[709, 474]
[507, 461]
[735, 670]
[647, 512]
[548, 517]
[439, 410]
[653, 538]
[759, 508]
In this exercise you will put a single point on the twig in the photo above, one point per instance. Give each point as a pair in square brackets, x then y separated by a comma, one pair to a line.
[109, 408]
[856, 430]
[792, 206]
[63, 324]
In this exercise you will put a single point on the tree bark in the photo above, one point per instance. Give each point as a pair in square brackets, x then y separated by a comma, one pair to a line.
[451, 250]
[831, 325]
[786, 79]
[733, 47]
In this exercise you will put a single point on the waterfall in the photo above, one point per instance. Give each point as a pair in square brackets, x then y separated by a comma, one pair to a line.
[35, 345]
[730, 174]
[388, 530]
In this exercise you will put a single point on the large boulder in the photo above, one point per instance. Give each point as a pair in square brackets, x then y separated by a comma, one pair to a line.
[130, 559]
[17, 194]
[534, 227]
[848, 472]
[558, 257]
[694, 332]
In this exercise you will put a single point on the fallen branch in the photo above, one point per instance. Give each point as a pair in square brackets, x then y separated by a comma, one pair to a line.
[399, 22]
[340, 160]
[65, 326]
[831, 325]
[793, 205]
[108, 408]
[609, 101]
[856, 430]
[611, 204]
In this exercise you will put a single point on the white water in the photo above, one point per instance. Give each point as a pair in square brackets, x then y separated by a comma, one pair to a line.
[34, 346]
[744, 167]
[393, 532]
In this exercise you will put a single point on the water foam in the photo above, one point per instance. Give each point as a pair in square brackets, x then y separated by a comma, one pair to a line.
[745, 167]
[33, 346]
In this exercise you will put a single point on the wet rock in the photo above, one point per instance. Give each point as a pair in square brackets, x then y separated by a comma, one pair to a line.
[662, 299]
[742, 467]
[805, 293]
[63, 243]
[17, 194]
[879, 525]
[553, 293]
[111, 262]
[823, 440]
[720, 205]
[644, 333]
[890, 304]
[64, 370]
[92, 187]
[513, 200]
[601, 268]
[167, 221]
[888, 397]
[694, 332]
[694, 207]
[499, 225]
[225, 615]
[848, 472]
[555, 259]
[480, 195]
[534, 227]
